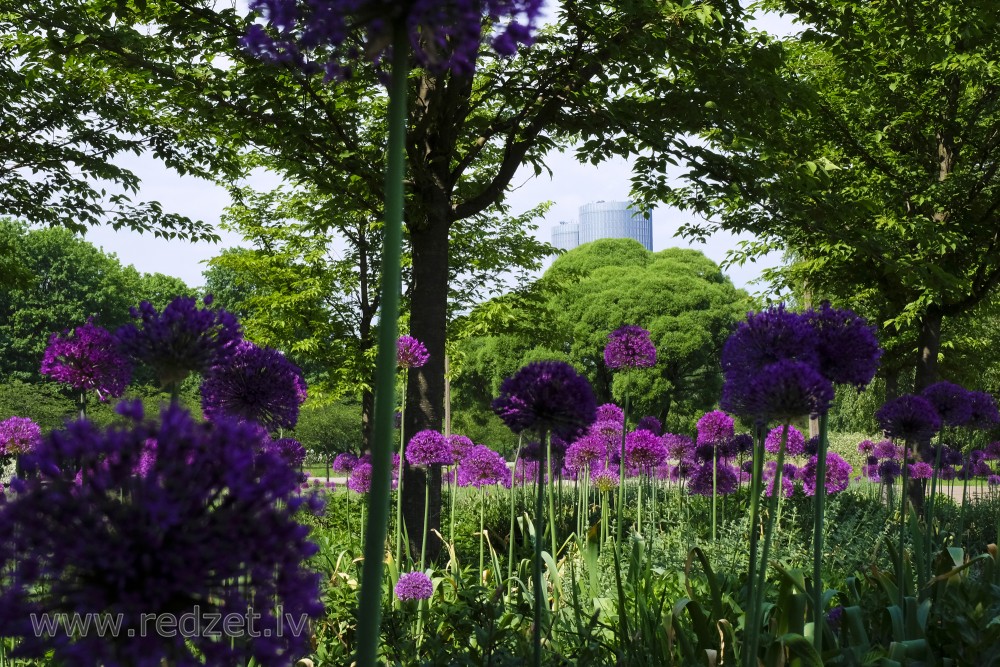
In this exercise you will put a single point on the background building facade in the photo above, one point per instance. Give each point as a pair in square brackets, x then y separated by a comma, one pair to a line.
[605, 220]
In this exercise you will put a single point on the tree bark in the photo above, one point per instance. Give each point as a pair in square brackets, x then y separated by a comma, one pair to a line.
[928, 347]
[425, 387]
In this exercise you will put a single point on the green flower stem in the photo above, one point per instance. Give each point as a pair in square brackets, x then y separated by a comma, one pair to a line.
[482, 531]
[427, 511]
[755, 489]
[715, 490]
[536, 565]
[370, 604]
[399, 484]
[901, 571]
[552, 515]
[510, 540]
[621, 473]
[772, 509]
[965, 499]
[818, 515]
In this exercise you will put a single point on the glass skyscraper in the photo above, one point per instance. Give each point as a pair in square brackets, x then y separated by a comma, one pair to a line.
[605, 220]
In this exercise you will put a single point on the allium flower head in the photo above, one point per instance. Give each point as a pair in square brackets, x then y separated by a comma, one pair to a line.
[984, 410]
[482, 466]
[921, 470]
[765, 338]
[727, 479]
[410, 352]
[443, 35]
[345, 462]
[679, 447]
[459, 444]
[651, 424]
[414, 586]
[770, 475]
[180, 340]
[910, 418]
[866, 447]
[887, 449]
[18, 435]
[848, 350]
[88, 359]
[783, 390]
[428, 447]
[255, 384]
[604, 479]
[209, 528]
[609, 412]
[714, 427]
[838, 474]
[644, 451]
[360, 479]
[289, 450]
[742, 443]
[952, 402]
[547, 395]
[888, 471]
[795, 443]
[585, 452]
[629, 347]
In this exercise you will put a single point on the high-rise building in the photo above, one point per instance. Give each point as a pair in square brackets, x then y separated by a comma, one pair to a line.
[605, 220]
[566, 235]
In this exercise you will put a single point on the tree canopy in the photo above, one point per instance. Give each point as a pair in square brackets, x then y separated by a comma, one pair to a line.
[679, 295]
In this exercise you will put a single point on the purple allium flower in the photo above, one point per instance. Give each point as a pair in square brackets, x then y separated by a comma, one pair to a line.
[526, 472]
[992, 450]
[256, 384]
[887, 449]
[410, 352]
[585, 452]
[742, 443]
[795, 443]
[889, 470]
[289, 450]
[88, 359]
[345, 462]
[848, 349]
[787, 485]
[18, 435]
[834, 618]
[984, 410]
[812, 446]
[993, 480]
[458, 445]
[414, 586]
[948, 472]
[726, 479]
[921, 470]
[604, 479]
[714, 427]
[443, 35]
[909, 418]
[783, 390]
[481, 466]
[866, 447]
[651, 424]
[679, 447]
[629, 347]
[209, 529]
[704, 453]
[609, 412]
[952, 402]
[644, 451]
[767, 337]
[360, 479]
[180, 340]
[549, 396]
[428, 447]
[838, 474]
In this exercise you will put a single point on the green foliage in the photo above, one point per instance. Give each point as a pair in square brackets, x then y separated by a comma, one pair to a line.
[69, 281]
[327, 429]
[680, 296]
[71, 125]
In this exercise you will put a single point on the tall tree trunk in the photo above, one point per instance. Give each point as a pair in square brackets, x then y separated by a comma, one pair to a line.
[367, 412]
[425, 388]
[928, 346]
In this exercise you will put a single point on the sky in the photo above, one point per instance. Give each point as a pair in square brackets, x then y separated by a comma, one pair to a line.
[571, 185]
